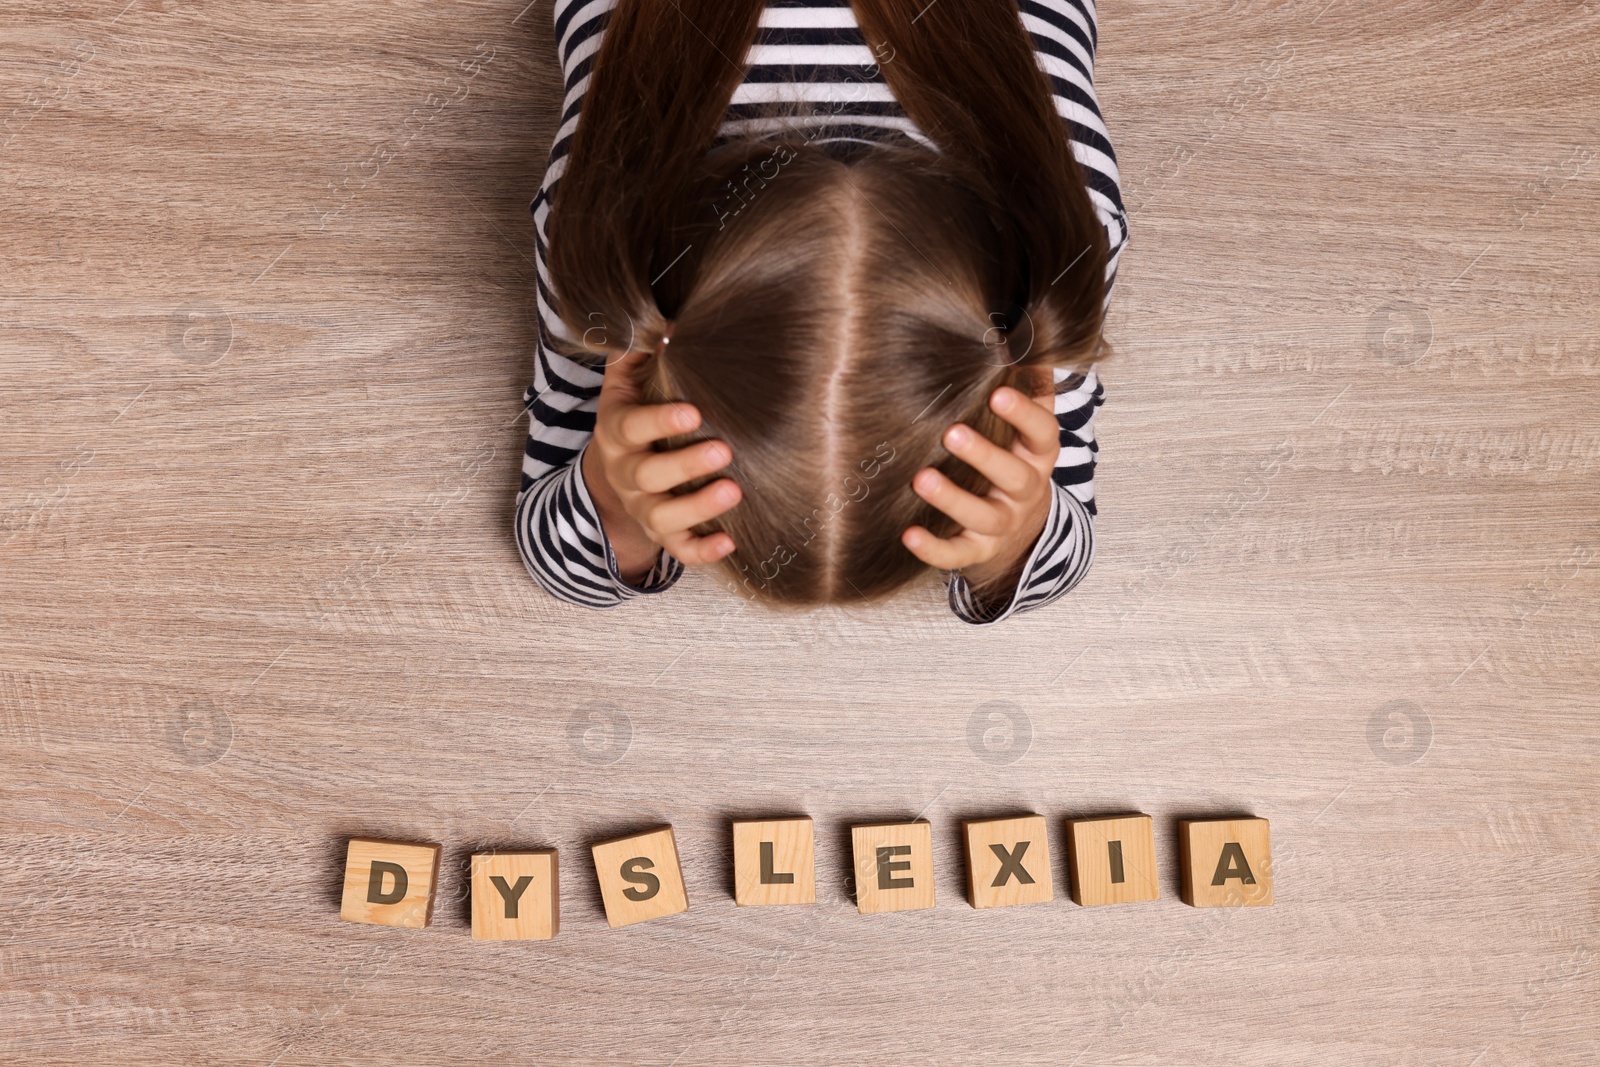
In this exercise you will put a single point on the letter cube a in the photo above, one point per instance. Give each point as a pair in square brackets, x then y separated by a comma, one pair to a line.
[893, 866]
[1008, 861]
[640, 877]
[389, 883]
[774, 862]
[515, 896]
[1225, 863]
[1112, 860]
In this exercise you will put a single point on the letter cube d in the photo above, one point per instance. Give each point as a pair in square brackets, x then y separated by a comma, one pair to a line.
[893, 866]
[640, 877]
[774, 862]
[1112, 860]
[515, 896]
[389, 883]
[1008, 861]
[1225, 863]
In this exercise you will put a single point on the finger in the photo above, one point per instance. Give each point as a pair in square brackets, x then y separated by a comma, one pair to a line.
[947, 554]
[672, 515]
[972, 512]
[659, 472]
[640, 424]
[1008, 471]
[692, 550]
[618, 382]
[619, 393]
[1034, 419]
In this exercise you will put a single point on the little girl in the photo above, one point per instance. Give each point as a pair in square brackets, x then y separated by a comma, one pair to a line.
[813, 284]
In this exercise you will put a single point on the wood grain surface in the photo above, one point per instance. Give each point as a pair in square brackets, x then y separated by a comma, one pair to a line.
[265, 320]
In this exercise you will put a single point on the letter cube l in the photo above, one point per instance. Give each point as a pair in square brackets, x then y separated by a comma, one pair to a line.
[774, 862]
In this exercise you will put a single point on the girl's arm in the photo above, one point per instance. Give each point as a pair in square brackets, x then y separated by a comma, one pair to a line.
[557, 522]
[1065, 35]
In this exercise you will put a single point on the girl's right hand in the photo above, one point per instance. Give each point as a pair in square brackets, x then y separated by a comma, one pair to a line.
[631, 483]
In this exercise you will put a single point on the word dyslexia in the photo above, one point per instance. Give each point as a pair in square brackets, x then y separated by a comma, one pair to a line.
[1110, 860]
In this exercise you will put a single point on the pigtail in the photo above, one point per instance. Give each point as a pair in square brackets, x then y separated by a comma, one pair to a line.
[967, 74]
[642, 132]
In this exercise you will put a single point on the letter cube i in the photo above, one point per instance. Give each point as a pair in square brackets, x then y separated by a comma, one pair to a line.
[389, 883]
[515, 896]
[640, 877]
[893, 866]
[1112, 860]
[774, 862]
[1225, 863]
[1008, 862]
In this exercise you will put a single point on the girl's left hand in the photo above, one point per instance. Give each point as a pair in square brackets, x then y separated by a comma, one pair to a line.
[998, 530]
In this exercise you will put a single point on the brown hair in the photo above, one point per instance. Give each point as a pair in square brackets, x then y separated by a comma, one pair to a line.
[832, 312]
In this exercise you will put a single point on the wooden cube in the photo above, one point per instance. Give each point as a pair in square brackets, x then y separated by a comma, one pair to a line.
[774, 862]
[515, 896]
[389, 883]
[1112, 860]
[1008, 861]
[894, 866]
[640, 877]
[1225, 863]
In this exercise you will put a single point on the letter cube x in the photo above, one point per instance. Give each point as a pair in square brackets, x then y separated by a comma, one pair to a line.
[1008, 861]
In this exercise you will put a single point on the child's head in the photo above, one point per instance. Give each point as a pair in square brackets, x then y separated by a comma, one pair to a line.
[833, 330]
[832, 313]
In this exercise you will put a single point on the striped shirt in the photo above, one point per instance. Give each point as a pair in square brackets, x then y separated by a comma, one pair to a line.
[808, 51]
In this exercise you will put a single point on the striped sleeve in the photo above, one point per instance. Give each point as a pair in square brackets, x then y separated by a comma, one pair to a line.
[557, 527]
[1065, 34]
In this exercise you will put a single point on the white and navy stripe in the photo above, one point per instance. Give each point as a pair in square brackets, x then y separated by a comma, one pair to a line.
[805, 51]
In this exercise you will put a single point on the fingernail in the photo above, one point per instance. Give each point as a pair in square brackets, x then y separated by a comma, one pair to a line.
[958, 435]
[718, 455]
[684, 418]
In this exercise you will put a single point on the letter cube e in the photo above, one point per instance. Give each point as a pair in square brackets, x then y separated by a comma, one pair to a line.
[893, 866]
